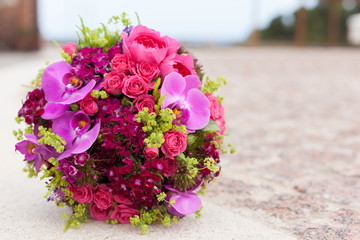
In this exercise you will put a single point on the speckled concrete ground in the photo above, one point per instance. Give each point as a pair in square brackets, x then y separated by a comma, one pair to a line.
[293, 115]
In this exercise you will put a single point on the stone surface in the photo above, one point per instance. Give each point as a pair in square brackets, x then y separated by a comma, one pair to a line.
[293, 115]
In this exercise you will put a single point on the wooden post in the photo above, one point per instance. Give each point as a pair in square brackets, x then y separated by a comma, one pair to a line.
[300, 37]
[18, 25]
[334, 14]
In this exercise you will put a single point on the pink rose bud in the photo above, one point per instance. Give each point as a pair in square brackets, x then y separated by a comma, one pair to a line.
[175, 143]
[151, 153]
[89, 106]
[70, 48]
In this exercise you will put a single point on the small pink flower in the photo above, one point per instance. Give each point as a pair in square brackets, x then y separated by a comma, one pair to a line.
[98, 213]
[134, 86]
[122, 213]
[121, 63]
[183, 64]
[70, 48]
[148, 71]
[146, 100]
[119, 198]
[151, 153]
[81, 194]
[89, 105]
[103, 198]
[146, 45]
[175, 143]
[216, 109]
[113, 83]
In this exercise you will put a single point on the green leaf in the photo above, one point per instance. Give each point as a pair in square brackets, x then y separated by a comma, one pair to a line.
[211, 127]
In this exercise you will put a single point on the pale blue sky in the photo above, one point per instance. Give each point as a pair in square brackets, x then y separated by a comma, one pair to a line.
[186, 20]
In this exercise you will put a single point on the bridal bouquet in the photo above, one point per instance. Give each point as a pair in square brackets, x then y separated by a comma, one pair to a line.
[125, 129]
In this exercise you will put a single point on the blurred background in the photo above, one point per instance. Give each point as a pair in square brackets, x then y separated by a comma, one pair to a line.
[26, 24]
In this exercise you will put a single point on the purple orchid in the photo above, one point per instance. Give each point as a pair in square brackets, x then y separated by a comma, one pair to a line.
[185, 202]
[33, 151]
[61, 88]
[74, 127]
[189, 104]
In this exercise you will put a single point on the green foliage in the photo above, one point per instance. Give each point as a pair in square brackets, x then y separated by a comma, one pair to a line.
[156, 214]
[18, 120]
[80, 214]
[18, 134]
[211, 127]
[198, 212]
[187, 172]
[99, 94]
[30, 170]
[51, 139]
[161, 196]
[211, 85]
[102, 36]
[156, 125]
[211, 164]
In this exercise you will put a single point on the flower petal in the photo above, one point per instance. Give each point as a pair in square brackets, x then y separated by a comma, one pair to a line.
[192, 81]
[187, 203]
[198, 107]
[51, 81]
[54, 110]
[83, 142]
[61, 126]
[79, 94]
[173, 87]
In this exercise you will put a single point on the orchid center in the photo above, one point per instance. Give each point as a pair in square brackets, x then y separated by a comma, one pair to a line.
[75, 82]
[31, 147]
[82, 124]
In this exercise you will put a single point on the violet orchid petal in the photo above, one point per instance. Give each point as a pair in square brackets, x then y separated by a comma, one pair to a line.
[79, 94]
[61, 126]
[22, 146]
[198, 107]
[77, 118]
[32, 138]
[82, 143]
[88, 139]
[173, 87]
[54, 110]
[192, 81]
[51, 81]
[37, 164]
[185, 204]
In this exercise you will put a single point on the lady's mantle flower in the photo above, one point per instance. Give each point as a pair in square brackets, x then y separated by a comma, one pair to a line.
[61, 88]
[74, 127]
[189, 104]
[33, 151]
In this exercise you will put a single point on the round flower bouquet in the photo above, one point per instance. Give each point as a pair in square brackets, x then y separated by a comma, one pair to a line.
[124, 129]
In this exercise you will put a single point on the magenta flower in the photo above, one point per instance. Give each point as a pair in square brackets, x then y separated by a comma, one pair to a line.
[61, 88]
[185, 202]
[33, 151]
[189, 104]
[74, 127]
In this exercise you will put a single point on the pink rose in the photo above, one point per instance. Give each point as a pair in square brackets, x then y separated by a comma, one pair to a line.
[148, 71]
[221, 124]
[216, 109]
[151, 153]
[103, 198]
[183, 64]
[81, 194]
[134, 86]
[146, 45]
[113, 83]
[97, 213]
[89, 105]
[175, 143]
[122, 213]
[70, 48]
[119, 198]
[121, 63]
[146, 100]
